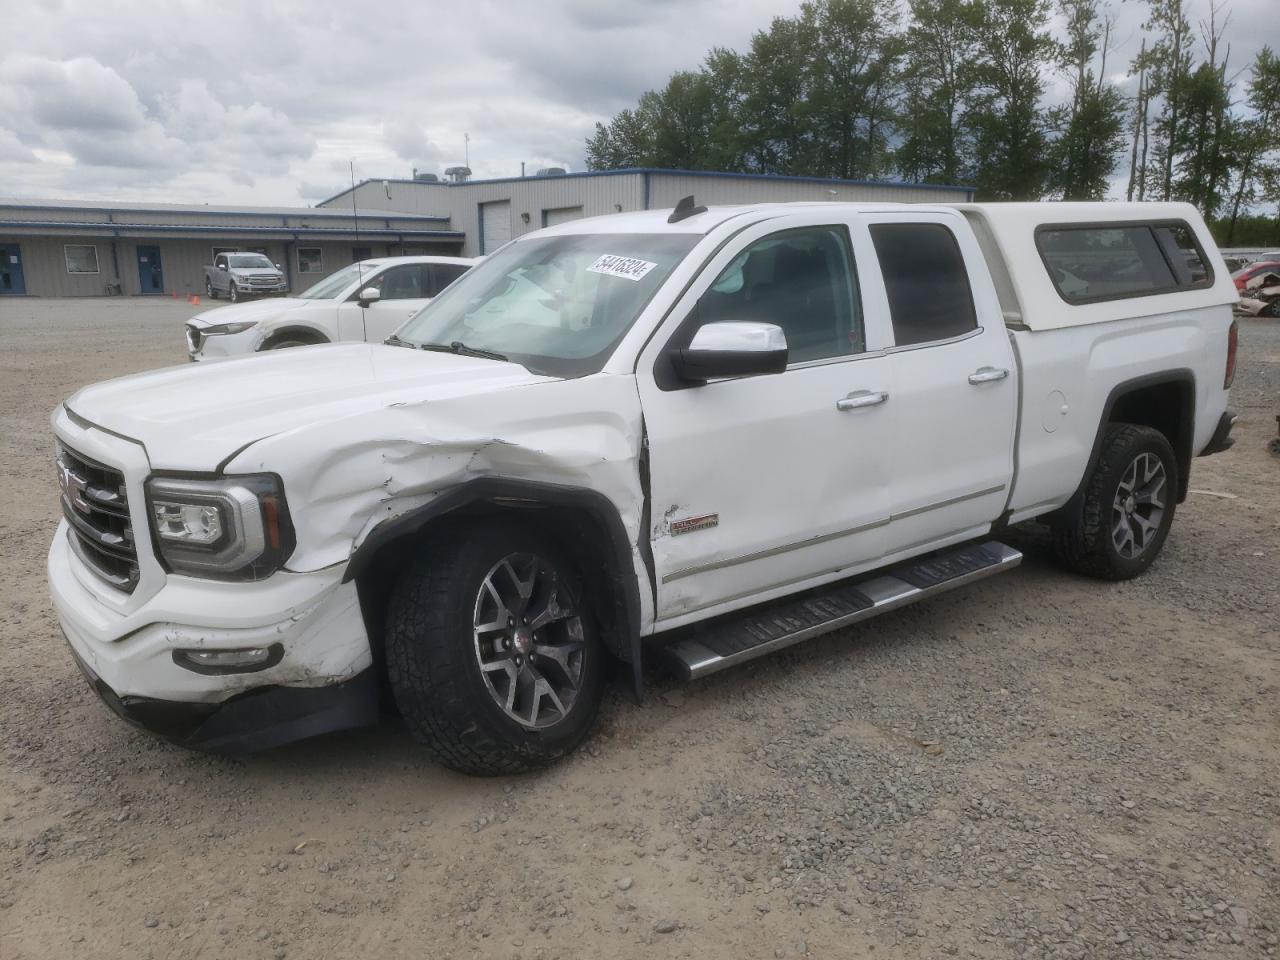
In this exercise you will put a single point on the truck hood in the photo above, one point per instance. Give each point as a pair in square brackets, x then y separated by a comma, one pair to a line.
[259, 310]
[255, 272]
[195, 417]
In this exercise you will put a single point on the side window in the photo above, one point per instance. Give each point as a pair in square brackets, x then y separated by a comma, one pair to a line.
[401, 283]
[443, 274]
[803, 281]
[1184, 254]
[926, 281]
[221, 262]
[1106, 262]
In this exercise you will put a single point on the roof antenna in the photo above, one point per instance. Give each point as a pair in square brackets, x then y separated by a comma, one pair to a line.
[685, 209]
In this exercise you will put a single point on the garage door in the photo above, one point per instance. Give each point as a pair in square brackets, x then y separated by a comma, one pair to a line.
[563, 215]
[495, 225]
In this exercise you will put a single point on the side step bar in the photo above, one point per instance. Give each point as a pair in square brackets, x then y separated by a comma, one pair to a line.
[741, 637]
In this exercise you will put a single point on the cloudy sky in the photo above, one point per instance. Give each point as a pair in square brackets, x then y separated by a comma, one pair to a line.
[267, 102]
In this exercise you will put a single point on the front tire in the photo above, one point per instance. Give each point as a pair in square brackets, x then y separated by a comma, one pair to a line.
[1121, 523]
[234, 294]
[491, 651]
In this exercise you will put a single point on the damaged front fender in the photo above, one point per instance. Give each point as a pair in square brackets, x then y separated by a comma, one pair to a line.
[356, 484]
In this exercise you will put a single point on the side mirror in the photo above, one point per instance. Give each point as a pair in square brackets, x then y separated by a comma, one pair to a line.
[278, 267]
[735, 349]
[368, 295]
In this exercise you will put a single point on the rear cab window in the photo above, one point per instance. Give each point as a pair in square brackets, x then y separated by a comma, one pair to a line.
[1089, 263]
[926, 282]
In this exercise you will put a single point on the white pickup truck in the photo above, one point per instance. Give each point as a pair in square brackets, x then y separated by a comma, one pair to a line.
[702, 436]
[367, 301]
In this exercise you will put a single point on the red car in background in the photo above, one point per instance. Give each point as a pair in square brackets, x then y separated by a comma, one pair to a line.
[1247, 273]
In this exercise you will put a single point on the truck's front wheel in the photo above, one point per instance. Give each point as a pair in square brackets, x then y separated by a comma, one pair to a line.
[1119, 525]
[232, 293]
[491, 651]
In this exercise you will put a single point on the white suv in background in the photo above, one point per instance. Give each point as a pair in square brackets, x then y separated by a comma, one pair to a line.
[367, 300]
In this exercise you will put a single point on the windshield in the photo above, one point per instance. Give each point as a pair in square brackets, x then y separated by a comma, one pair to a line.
[335, 283]
[249, 260]
[557, 305]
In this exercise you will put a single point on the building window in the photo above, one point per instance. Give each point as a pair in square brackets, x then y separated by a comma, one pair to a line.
[310, 260]
[221, 250]
[81, 257]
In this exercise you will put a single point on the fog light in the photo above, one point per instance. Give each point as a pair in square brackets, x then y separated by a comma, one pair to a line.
[246, 660]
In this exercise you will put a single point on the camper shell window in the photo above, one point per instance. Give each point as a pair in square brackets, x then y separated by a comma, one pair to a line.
[1090, 263]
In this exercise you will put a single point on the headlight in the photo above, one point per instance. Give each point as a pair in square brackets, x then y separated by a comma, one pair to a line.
[222, 329]
[236, 528]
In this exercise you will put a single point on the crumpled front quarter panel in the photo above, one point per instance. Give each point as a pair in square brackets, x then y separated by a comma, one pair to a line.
[342, 478]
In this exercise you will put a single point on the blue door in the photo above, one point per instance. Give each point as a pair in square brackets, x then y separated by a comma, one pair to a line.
[11, 269]
[150, 271]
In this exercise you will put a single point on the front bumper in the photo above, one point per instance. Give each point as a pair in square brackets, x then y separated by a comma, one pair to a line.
[202, 348]
[246, 723]
[313, 618]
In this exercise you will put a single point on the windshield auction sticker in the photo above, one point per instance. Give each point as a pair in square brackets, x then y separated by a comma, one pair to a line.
[628, 268]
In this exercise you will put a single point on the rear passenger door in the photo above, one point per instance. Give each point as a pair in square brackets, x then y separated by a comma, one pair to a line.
[955, 389]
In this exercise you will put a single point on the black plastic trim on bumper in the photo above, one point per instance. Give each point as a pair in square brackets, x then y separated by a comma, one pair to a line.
[1222, 439]
[248, 722]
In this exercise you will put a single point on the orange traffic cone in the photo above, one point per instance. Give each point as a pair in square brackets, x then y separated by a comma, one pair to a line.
[174, 294]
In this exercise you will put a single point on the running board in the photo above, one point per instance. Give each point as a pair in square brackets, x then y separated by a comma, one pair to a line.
[709, 649]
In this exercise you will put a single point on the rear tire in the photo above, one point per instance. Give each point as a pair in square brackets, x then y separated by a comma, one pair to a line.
[209, 292]
[491, 651]
[1123, 518]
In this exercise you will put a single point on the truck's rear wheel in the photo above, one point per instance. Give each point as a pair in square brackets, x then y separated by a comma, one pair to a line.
[1123, 519]
[491, 652]
[209, 291]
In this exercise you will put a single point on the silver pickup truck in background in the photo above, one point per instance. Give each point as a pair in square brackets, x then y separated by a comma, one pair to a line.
[239, 275]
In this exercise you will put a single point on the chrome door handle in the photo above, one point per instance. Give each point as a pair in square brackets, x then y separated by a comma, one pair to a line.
[987, 375]
[862, 398]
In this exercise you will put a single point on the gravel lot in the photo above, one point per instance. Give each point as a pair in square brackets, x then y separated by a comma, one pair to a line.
[1039, 766]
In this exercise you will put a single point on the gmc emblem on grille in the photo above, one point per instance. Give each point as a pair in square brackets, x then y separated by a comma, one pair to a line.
[72, 487]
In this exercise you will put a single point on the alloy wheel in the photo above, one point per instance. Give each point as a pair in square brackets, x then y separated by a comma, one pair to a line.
[1138, 508]
[529, 642]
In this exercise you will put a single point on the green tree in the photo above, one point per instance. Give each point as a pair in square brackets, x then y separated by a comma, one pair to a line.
[773, 126]
[1258, 137]
[940, 86]
[626, 142]
[853, 86]
[1093, 129]
[1009, 127]
[1170, 71]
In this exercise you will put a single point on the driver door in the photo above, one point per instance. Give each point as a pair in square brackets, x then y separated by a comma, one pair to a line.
[402, 292]
[761, 485]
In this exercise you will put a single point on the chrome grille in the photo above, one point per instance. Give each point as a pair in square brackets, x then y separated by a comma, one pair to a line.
[96, 505]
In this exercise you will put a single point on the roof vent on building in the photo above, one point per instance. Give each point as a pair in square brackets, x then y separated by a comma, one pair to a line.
[458, 174]
[424, 177]
[685, 209]
[552, 172]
